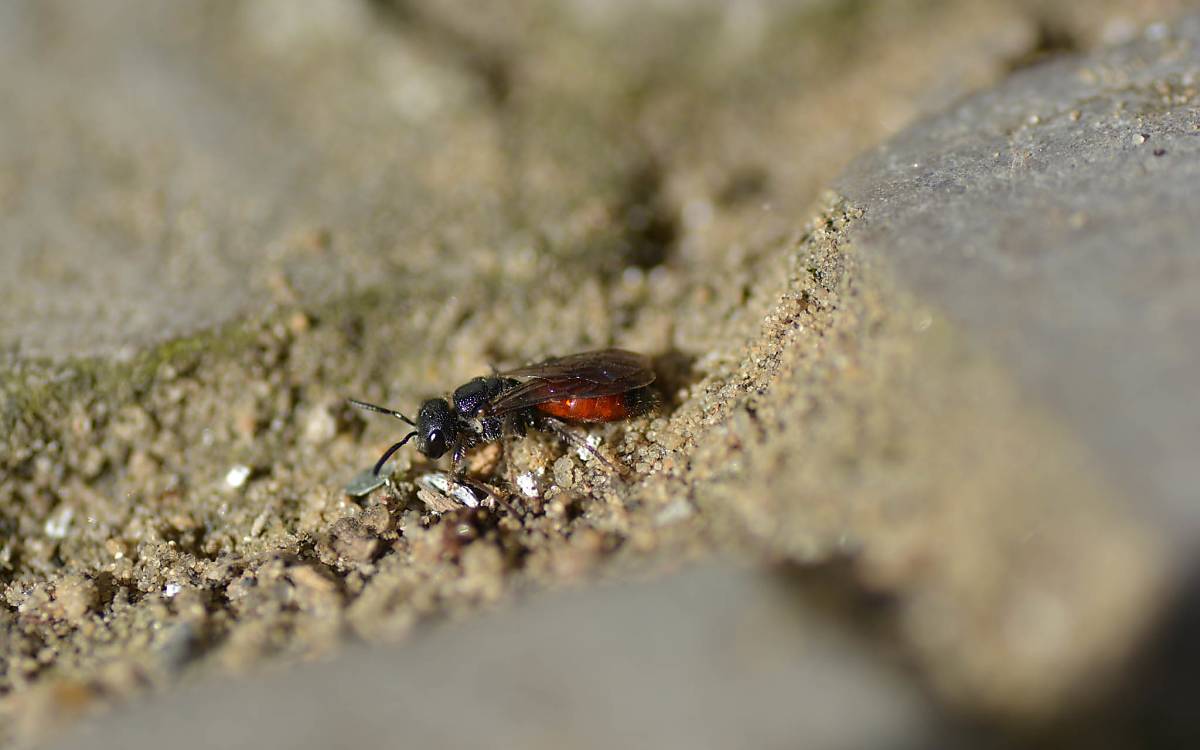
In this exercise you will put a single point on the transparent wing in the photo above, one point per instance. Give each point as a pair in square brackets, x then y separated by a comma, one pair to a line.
[586, 375]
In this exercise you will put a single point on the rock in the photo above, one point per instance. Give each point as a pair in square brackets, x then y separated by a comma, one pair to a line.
[162, 197]
[1051, 223]
[349, 539]
[712, 659]
[1053, 218]
[76, 596]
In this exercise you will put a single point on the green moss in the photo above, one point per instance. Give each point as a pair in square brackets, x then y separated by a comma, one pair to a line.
[40, 392]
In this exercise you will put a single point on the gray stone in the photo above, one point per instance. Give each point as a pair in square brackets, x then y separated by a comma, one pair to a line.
[714, 658]
[167, 169]
[1056, 218]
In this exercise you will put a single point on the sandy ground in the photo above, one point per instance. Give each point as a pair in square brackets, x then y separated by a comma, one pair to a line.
[172, 505]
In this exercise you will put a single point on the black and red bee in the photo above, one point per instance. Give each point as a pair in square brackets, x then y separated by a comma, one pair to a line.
[600, 386]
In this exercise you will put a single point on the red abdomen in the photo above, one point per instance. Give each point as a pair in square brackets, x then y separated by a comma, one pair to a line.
[598, 409]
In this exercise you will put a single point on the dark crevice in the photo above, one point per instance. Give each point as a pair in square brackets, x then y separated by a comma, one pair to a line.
[743, 185]
[675, 372]
[189, 542]
[871, 616]
[1053, 39]
[1153, 701]
[486, 60]
[646, 225]
[651, 227]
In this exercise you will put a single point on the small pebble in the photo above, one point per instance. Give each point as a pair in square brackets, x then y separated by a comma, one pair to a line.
[59, 522]
[237, 476]
[352, 542]
[457, 494]
[299, 323]
[260, 522]
[527, 484]
[564, 472]
[75, 596]
[319, 426]
[674, 512]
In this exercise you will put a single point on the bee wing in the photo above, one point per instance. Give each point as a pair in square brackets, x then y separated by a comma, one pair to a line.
[586, 375]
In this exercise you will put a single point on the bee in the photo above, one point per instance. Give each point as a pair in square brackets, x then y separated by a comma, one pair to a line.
[599, 386]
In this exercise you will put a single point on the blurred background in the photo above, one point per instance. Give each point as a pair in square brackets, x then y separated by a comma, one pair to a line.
[916, 276]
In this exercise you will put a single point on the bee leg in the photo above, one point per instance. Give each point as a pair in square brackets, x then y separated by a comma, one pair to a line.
[507, 431]
[561, 429]
[457, 472]
[492, 496]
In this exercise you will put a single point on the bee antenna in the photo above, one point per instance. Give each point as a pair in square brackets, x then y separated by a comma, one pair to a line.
[388, 453]
[381, 410]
